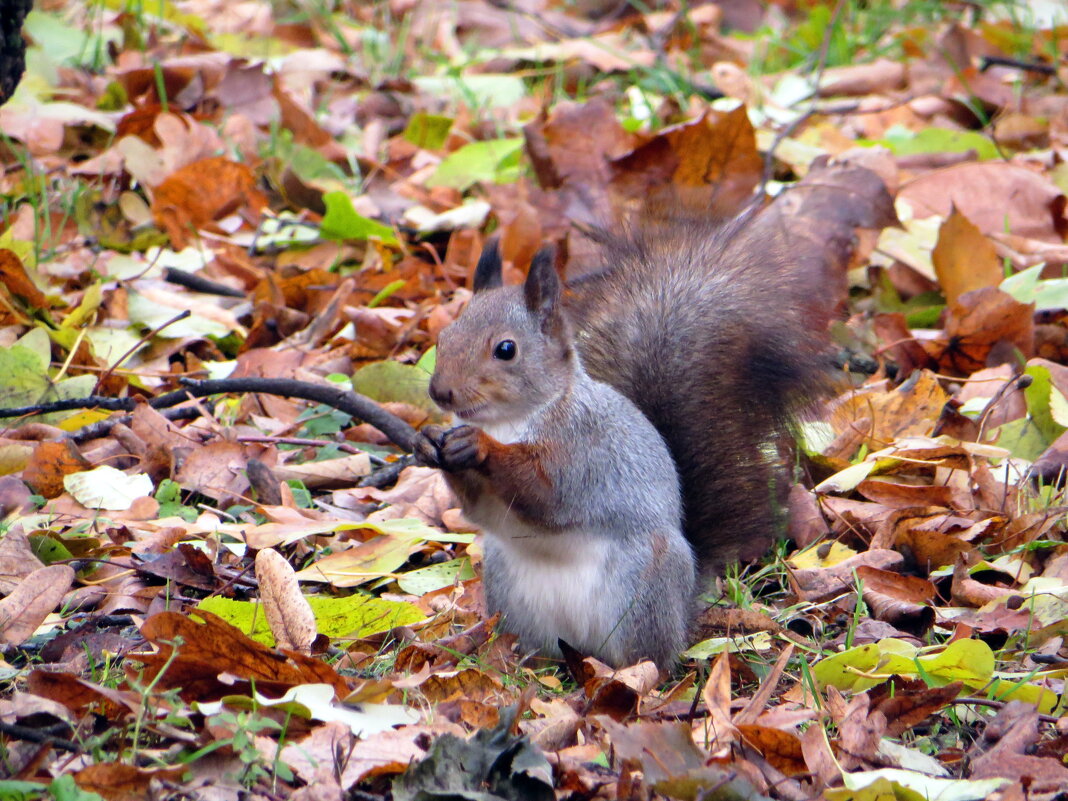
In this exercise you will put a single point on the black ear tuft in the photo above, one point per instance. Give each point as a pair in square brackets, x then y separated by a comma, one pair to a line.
[542, 288]
[488, 271]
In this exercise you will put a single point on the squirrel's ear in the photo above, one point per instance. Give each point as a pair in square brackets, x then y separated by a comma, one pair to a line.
[488, 271]
[542, 288]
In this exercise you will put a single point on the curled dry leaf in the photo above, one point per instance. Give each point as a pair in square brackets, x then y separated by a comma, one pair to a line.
[904, 601]
[1014, 733]
[859, 733]
[342, 472]
[717, 697]
[820, 584]
[908, 702]
[288, 613]
[985, 327]
[967, 591]
[35, 597]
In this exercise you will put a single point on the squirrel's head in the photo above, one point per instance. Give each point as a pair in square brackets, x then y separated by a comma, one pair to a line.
[510, 352]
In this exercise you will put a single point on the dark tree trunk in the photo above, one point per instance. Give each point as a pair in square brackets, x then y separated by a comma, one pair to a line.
[12, 46]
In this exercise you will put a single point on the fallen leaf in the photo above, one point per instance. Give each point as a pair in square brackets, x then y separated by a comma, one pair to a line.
[35, 597]
[288, 614]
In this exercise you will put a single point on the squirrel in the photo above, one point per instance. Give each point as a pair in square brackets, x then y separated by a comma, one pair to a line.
[587, 408]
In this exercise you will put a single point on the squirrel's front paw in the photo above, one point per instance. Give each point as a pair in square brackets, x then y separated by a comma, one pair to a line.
[427, 446]
[462, 448]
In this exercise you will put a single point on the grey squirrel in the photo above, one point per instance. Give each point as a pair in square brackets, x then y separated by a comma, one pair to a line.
[683, 359]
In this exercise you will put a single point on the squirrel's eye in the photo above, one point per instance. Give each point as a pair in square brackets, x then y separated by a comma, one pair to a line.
[505, 351]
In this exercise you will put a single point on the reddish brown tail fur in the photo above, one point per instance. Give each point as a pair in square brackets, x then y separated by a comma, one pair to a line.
[703, 327]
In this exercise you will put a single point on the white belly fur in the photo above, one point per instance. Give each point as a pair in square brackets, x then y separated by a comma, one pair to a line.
[553, 586]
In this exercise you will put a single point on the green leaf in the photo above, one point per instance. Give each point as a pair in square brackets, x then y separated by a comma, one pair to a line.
[151, 314]
[968, 661]
[496, 160]
[428, 131]
[342, 221]
[48, 548]
[393, 382]
[14, 790]
[907, 785]
[493, 91]
[386, 291]
[902, 142]
[1038, 397]
[24, 367]
[428, 361]
[354, 616]
[434, 577]
[68, 45]
[1022, 438]
[706, 649]
[1027, 287]
[64, 788]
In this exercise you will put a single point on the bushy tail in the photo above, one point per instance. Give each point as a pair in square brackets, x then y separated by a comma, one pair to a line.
[707, 328]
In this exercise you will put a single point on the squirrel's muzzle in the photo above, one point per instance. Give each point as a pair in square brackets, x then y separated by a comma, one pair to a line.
[441, 396]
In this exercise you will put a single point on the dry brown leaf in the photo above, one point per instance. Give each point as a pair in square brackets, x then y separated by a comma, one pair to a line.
[819, 757]
[905, 496]
[781, 748]
[50, 462]
[119, 782]
[341, 472]
[985, 327]
[313, 758]
[761, 697]
[963, 258]
[821, 584]
[1015, 731]
[470, 684]
[1036, 210]
[878, 77]
[664, 750]
[902, 601]
[216, 470]
[711, 162]
[198, 194]
[35, 597]
[909, 410]
[17, 559]
[859, 733]
[966, 591]
[288, 613]
[213, 648]
[78, 694]
[716, 694]
[928, 549]
[17, 284]
[908, 702]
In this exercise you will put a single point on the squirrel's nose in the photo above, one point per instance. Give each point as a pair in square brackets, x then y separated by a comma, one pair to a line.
[441, 396]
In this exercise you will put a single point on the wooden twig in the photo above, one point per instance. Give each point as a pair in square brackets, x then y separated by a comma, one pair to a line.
[359, 406]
